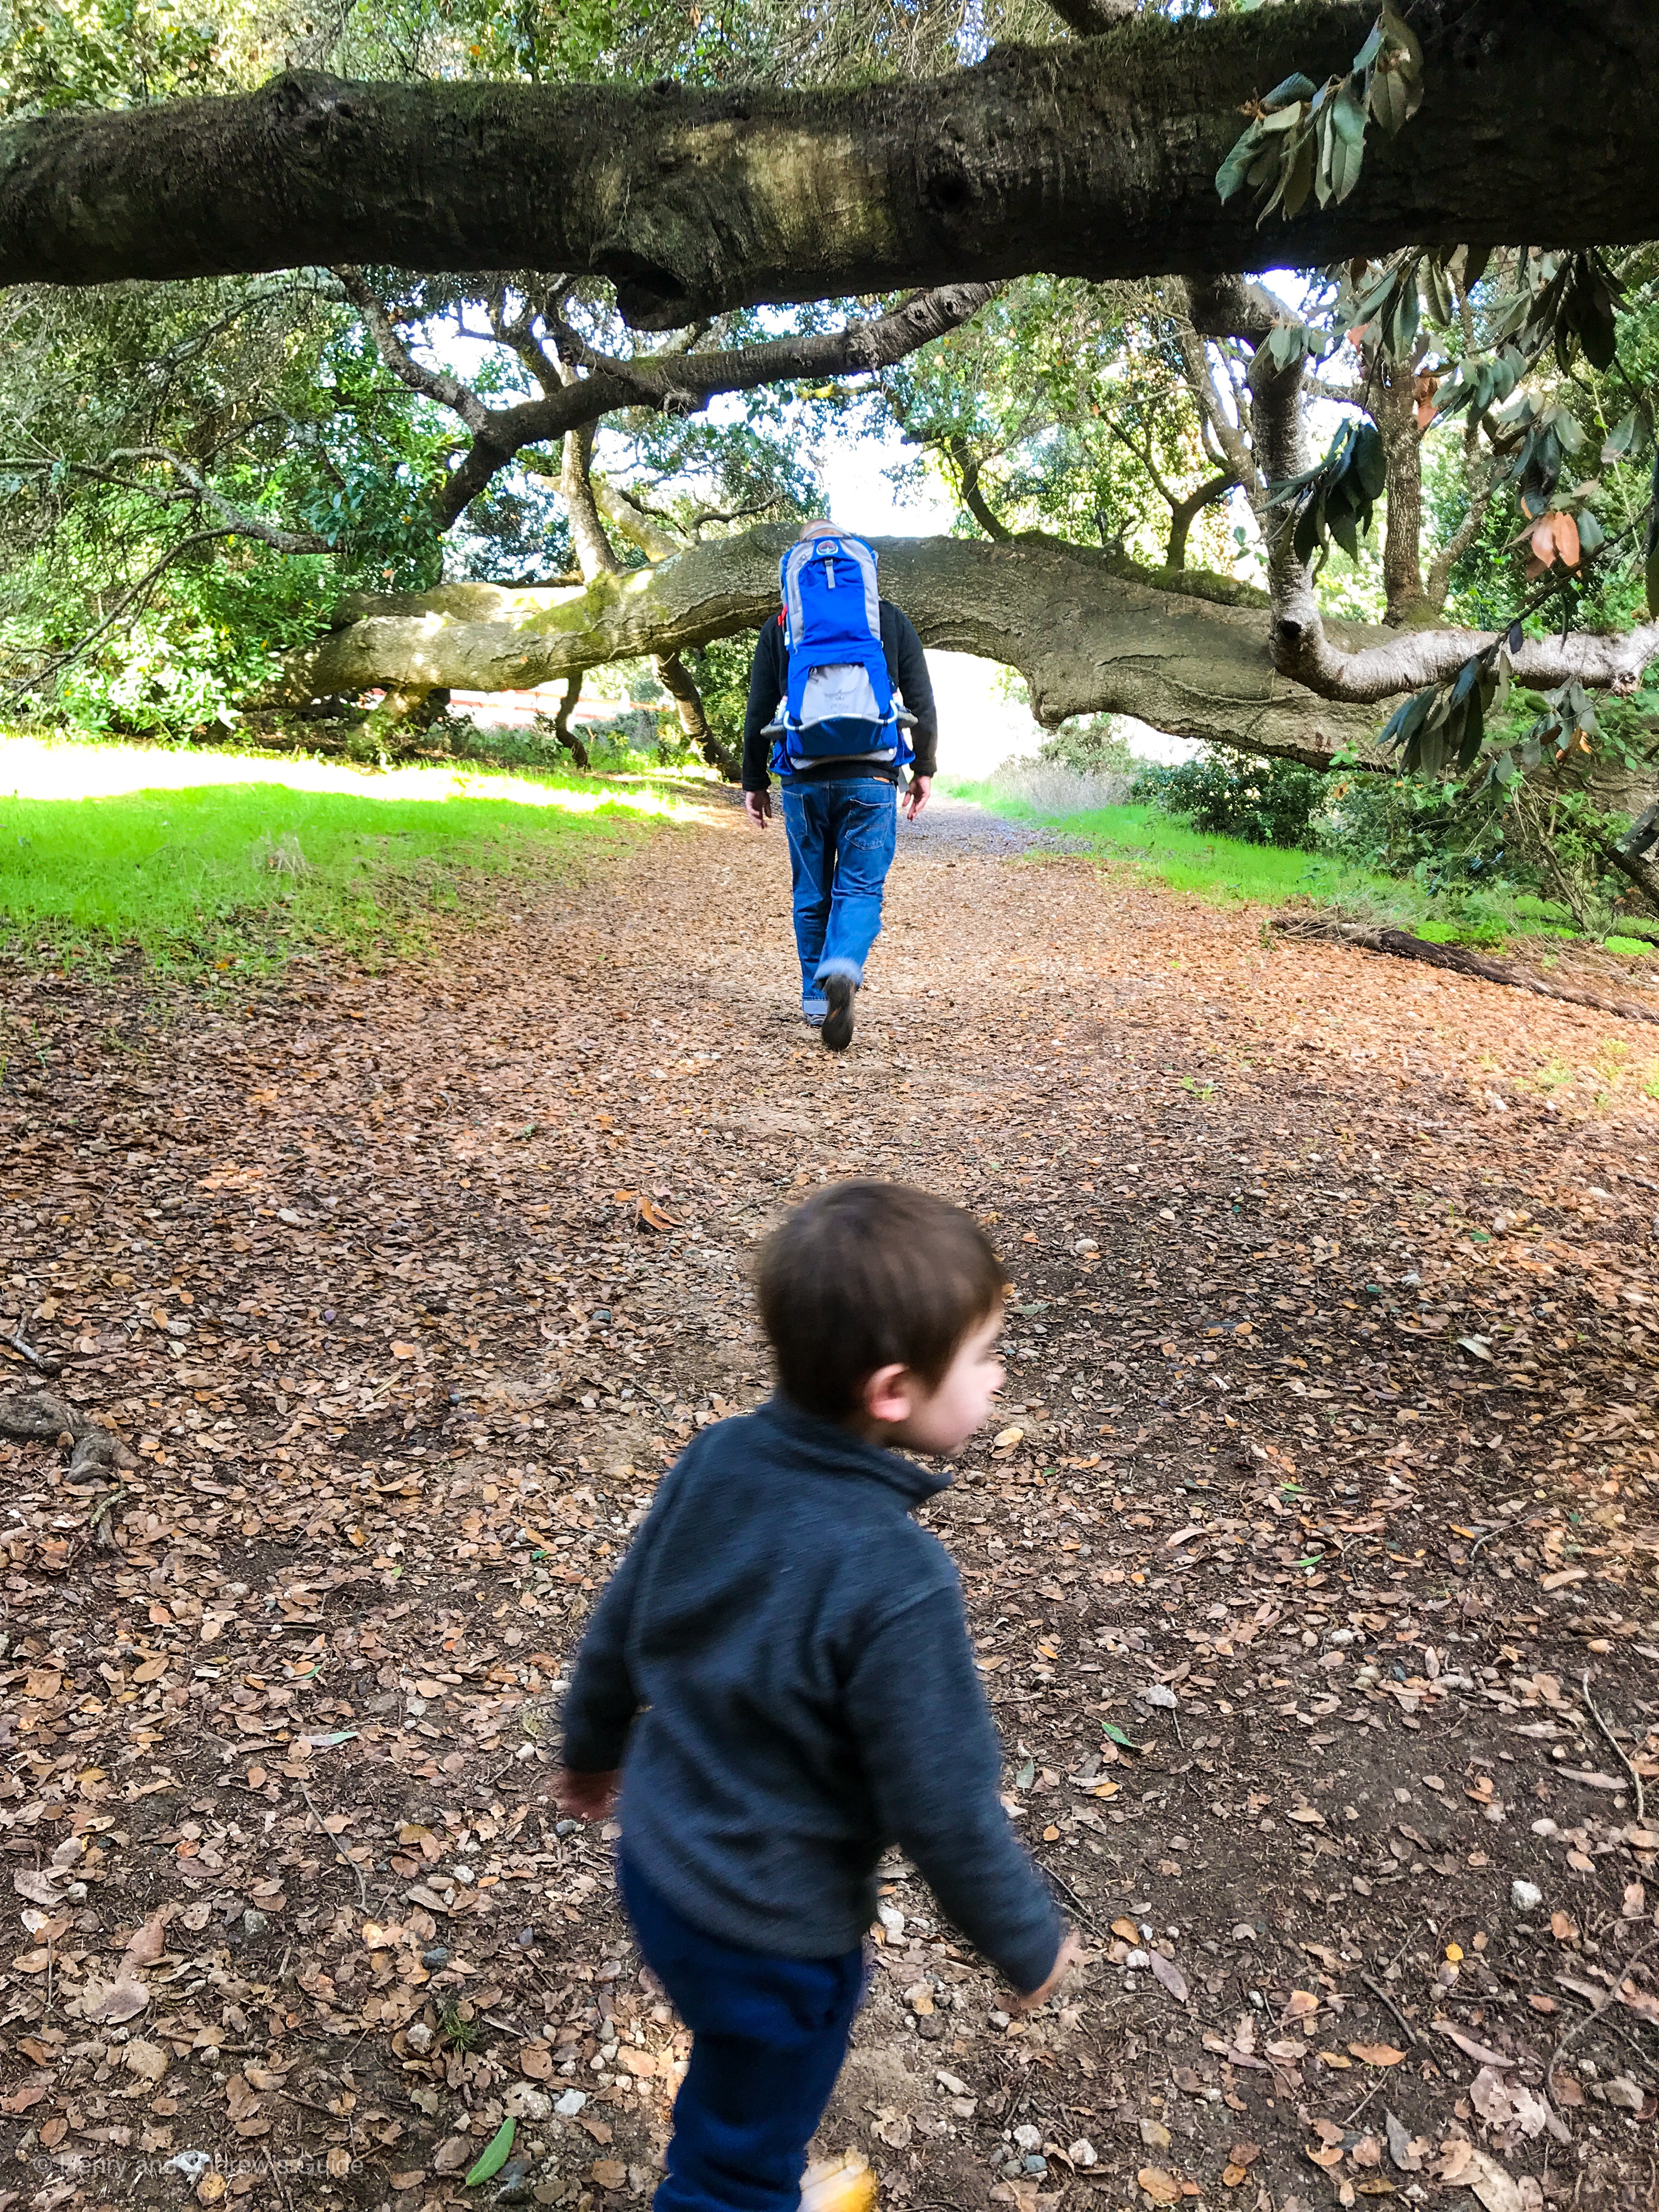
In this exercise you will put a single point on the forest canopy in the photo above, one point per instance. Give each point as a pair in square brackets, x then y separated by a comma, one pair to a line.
[1290, 367]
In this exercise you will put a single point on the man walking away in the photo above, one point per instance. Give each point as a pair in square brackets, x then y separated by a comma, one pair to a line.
[839, 702]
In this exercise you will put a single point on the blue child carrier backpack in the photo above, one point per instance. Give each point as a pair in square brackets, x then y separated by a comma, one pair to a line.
[838, 704]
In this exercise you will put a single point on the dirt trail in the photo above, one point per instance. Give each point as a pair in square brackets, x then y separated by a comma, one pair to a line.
[1325, 1483]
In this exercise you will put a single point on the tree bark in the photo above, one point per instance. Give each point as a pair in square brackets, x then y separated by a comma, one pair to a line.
[1183, 513]
[1094, 158]
[1394, 408]
[677, 681]
[562, 733]
[1088, 18]
[1092, 633]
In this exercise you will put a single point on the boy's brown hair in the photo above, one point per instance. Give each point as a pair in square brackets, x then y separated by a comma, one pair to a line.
[866, 1274]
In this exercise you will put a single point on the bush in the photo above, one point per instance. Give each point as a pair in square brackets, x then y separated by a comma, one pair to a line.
[1230, 794]
[1090, 745]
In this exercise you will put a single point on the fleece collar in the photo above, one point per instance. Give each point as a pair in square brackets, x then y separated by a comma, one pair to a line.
[829, 1449]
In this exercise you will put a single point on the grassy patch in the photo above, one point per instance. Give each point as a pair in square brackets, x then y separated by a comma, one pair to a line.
[1154, 844]
[231, 860]
[1225, 870]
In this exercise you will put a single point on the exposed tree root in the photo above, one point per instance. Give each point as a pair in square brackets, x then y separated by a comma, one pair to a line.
[1458, 960]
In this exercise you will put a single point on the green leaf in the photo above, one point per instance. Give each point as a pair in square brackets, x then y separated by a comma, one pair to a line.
[1400, 330]
[1299, 177]
[1231, 176]
[1407, 720]
[1629, 438]
[1371, 460]
[1396, 88]
[1345, 144]
[1591, 536]
[1437, 293]
[1112, 1730]
[495, 2154]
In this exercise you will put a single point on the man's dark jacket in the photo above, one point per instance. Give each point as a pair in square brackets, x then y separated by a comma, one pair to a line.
[781, 1666]
[907, 666]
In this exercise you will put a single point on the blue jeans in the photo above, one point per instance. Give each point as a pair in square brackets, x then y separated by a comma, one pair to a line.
[841, 835]
[768, 2036]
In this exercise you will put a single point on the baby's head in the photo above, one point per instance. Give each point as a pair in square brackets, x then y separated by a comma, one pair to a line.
[884, 1306]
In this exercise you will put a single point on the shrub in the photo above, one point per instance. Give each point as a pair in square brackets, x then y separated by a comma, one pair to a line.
[1090, 745]
[1230, 794]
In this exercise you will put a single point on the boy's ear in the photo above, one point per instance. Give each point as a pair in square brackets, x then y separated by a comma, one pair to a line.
[889, 1394]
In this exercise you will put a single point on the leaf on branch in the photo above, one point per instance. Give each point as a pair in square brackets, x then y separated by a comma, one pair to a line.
[1482, 380]
[1307, 139]
[1444, 724]
[1336, 499]
[1630, 438]
[1395, 92]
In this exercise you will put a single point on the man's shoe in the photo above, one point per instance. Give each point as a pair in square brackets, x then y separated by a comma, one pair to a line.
[837, 1031]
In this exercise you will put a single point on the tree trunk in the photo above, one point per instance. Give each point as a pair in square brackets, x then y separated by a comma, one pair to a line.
[595, 554]
[1403, 534]
[677, 680]
[1094, 158]
[1183, 513]
[562, 733]
[1090, 632]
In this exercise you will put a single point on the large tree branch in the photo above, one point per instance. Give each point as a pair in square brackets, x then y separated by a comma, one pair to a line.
[1092, 633]
[682, 383]
[967, 465]
[1094, 158]
[1303, 650]
[193, 489]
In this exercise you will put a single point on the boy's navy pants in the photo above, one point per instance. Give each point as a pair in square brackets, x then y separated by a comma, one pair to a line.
[768, 2036]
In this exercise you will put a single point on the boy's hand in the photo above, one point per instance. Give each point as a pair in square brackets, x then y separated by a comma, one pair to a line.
[585, 1796]
[757, 805]
[1070, 1950]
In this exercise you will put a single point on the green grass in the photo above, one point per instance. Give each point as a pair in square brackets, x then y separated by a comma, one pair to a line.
[209, 871]
[1225, 870]
[1154, 844]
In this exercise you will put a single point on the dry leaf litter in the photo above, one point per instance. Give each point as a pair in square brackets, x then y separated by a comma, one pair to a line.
[1311, 1563]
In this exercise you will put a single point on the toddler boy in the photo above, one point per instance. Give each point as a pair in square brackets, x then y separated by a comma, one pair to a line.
[781, 1670]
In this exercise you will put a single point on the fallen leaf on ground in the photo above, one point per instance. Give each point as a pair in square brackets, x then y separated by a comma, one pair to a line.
[124, 1999]
[1169, 1974]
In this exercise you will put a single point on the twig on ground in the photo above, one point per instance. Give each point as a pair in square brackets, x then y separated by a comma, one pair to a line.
[1627, 1762]
[1383, 1998]
[363, 1887]
[1083, 1911]
[1590, 2018]
[275, 2178]
[1365, 2100]
[46, 1364]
